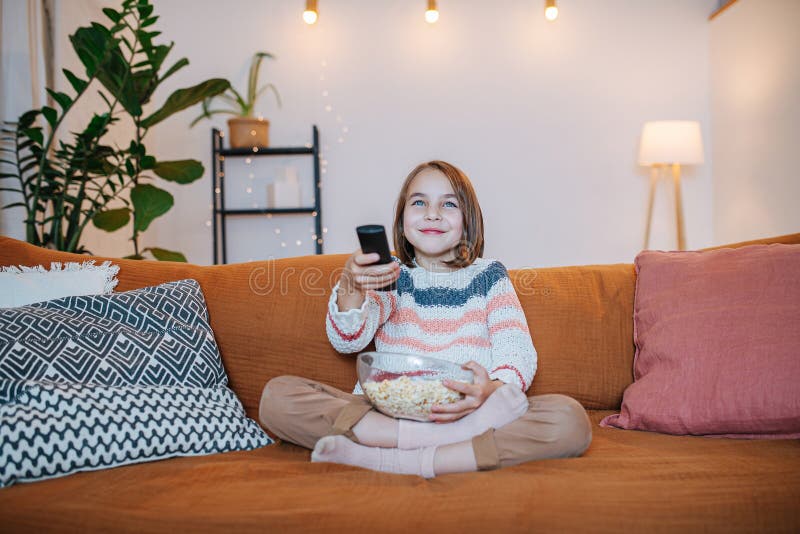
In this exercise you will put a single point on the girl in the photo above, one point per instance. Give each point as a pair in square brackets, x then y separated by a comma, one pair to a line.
[448, 303]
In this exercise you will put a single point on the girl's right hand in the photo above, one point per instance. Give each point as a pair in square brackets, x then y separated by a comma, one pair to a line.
[360, 275]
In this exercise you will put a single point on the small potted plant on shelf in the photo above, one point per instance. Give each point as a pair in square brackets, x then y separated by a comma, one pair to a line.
[245, 129]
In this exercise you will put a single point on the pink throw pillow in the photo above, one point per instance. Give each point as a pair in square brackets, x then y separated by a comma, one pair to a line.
[717, 337]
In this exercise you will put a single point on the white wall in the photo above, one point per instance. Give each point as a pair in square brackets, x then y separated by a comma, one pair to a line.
[544, 118]
[755, 89]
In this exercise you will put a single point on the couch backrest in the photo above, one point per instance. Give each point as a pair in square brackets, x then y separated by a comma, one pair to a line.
[269, 319]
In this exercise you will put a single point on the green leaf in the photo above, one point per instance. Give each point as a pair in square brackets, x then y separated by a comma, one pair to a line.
[173, 69]
[35, 134]
[145, 10]
[51, 115]
[115, 75]
[149, 202]
[27, 119]
[113, 15]
[63, 100]
[76, 83]
[147, 162]
[184, 98]
[91, 43]
[157, 54]
[162, 254]
[111, 220]
[134, 257]
[183, 171]
[96, 128]
[252, 82]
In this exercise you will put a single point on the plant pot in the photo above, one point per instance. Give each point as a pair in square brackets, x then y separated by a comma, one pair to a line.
[246, 132]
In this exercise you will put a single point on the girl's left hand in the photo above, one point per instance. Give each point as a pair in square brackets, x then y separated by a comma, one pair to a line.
[474, 395]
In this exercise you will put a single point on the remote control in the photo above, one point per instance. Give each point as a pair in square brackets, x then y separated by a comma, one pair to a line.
[372, 238]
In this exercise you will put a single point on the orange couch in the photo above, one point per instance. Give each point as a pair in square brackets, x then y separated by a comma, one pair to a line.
[268, 318]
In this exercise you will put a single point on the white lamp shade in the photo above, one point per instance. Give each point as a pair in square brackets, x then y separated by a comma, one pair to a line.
[671, 142]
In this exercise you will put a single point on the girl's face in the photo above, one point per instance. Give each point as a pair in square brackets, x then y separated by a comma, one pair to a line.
[432, 219]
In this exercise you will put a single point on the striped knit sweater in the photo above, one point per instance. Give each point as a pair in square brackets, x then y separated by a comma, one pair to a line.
[469, 314]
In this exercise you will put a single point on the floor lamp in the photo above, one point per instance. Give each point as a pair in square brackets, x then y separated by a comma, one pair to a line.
[669, 143]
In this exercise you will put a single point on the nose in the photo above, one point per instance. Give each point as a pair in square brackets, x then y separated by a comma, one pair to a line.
[432, 213]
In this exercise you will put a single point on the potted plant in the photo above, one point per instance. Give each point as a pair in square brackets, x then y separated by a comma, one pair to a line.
[66, 180]
[245, 129]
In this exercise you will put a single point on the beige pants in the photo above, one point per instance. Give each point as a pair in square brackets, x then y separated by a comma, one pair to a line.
[302, 411]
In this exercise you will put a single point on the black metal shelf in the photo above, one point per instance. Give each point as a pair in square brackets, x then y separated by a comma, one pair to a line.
[266, 151]
[265, 211]
[218, 178]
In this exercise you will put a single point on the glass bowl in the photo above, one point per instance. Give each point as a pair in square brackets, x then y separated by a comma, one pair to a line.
[408, 385]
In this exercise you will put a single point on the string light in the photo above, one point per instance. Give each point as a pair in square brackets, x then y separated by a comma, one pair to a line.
[310, 15]
[432, 14]
[550, 10]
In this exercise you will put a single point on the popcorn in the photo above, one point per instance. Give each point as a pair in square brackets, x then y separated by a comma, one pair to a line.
[412, 399]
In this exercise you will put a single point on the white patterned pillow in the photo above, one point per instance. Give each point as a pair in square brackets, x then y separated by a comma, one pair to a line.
[21, 285]
[49, 430]
[157, 335]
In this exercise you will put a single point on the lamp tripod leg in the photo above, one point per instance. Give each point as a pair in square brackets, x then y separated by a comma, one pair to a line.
[676, 178]
[654, 171]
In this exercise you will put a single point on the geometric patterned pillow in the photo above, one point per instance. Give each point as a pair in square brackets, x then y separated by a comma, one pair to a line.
[50, 429]
[156, 335]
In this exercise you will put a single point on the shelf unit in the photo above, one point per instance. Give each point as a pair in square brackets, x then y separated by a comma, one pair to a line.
[218, 179]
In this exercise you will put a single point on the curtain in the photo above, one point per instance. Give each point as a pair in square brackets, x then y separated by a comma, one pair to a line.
[26, 68]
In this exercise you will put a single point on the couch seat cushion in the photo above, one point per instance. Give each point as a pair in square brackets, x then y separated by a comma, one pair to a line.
[627, 481]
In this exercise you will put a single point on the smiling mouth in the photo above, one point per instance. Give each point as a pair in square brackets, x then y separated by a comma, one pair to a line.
[432, 232]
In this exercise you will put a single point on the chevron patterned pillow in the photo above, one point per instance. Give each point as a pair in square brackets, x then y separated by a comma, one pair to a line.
[156, 335]
[51, 429]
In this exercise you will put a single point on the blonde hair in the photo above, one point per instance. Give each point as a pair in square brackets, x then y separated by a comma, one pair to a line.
[470, 246]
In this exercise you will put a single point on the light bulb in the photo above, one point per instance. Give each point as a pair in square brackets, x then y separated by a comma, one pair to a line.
[310, 15]
[550, 10]
[432, 14]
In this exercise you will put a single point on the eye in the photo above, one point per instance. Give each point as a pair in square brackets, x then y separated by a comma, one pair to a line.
[450, 204]
[418, 202]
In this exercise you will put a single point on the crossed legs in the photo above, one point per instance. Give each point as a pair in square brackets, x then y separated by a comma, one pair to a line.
[509, 428]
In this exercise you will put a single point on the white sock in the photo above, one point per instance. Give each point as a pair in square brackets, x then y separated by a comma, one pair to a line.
[506, 404]
[340, 450]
